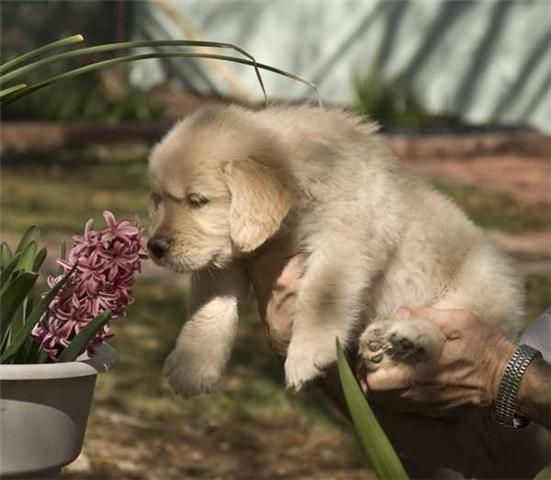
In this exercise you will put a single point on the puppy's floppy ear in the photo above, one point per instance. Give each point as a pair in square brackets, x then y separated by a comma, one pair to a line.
[260, 201]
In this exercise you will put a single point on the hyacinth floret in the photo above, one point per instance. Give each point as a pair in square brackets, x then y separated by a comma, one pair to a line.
[106, 263]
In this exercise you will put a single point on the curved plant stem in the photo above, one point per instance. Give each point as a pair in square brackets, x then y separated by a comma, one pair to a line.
[39, 52]
[95, 66]
[9, 90]
[126, 45]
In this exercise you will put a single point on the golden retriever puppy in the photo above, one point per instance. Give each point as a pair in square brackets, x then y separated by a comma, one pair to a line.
[228, 182]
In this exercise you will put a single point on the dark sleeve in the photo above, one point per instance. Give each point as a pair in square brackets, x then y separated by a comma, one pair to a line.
[538, 335]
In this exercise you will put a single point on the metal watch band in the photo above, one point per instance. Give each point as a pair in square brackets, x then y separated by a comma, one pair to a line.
[506, 404]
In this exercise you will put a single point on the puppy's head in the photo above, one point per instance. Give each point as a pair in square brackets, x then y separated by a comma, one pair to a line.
[220, 188]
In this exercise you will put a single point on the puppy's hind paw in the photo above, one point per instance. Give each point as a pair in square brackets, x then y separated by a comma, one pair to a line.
[373, 345]
[187, 377]
[408, 341]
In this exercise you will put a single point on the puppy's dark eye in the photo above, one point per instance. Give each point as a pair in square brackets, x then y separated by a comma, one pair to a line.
[196, 201]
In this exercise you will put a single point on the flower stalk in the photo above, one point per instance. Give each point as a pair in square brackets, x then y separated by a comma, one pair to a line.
[93, 287]
[104, 263]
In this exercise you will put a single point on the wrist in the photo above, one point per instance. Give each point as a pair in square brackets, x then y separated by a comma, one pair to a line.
[499, 356]
[506, 406]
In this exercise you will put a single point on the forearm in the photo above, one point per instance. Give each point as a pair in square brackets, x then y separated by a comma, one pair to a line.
[535, 393]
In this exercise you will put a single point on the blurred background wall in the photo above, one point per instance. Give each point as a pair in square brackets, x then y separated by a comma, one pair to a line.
[483, 61]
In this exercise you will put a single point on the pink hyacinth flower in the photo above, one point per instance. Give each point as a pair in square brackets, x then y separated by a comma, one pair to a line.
[107, 261]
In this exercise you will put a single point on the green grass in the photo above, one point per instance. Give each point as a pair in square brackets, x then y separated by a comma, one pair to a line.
[496, 210]
[62, 193]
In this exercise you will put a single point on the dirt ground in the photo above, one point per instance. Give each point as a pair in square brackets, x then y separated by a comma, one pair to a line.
[197, 451]
[522, 173]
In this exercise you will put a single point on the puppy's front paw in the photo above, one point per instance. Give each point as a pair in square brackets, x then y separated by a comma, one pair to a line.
[189, 375]
[306, 361]
[411, 341]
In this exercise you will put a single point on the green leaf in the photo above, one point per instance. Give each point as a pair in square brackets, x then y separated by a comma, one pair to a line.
[30, 235]
[40, 51]
[81, 341]
[545, 474]
[25, 264]
[63, 255]
[42, 357]
[21, 335]
[382, 457]
[27, 257]
[22, 353]
[13, 296]
[5, 255]
[130, 58]
[39, 259]
[32, 351]
[6, 273]
[128, 46]
[7, 91]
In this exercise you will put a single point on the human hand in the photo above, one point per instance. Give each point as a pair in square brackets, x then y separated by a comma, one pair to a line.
[428, 447]
[467, 373]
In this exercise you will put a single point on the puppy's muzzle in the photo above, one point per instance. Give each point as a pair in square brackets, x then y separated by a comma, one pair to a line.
[158, 246]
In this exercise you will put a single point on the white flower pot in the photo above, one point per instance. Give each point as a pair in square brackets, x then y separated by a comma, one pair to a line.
[43, 413]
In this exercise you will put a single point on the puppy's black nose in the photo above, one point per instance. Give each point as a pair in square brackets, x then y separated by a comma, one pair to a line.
[158, 246]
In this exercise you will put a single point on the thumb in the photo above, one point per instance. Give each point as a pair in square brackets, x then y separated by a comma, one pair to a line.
[393, 378]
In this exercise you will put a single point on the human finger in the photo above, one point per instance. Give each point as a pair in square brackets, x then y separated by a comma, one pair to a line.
[391, 378]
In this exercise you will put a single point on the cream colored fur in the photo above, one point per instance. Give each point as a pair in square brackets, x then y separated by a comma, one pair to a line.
[375, 237]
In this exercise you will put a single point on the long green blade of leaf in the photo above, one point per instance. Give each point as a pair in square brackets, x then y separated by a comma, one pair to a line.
[5, 255]
[6, 91]
[31, 350]
[21, 335]
[544, 474]
[26, 260]
[42, 357]
[13, 296]
[128, 45]
[129, 58]
[31, 234]
[64, 42]
[80, 342]
[62, 255]
[39, 259]
[7, 272]
[25, 264]
[382, 456]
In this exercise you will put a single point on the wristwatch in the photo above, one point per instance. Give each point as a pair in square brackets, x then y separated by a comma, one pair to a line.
[505, 408]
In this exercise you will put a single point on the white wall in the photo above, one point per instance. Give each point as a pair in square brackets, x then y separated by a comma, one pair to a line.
[486, 61]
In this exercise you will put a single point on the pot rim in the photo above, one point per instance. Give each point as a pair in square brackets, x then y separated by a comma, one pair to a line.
[104, 359]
